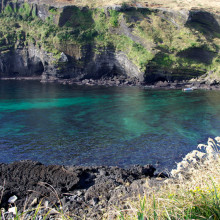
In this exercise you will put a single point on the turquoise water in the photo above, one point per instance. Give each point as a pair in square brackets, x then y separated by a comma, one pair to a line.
[79, 125]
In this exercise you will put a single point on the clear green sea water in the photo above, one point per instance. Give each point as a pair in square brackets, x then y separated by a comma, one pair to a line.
[79, 125]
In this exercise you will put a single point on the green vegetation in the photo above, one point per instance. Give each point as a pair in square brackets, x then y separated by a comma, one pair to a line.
[149, 40]
[25, 11]
[53, 10]
[23, 26]
[114, 16]
[171, 40]
[195, 203]
[78, 19]
[8, 10]
[135, 51]
[83, 27]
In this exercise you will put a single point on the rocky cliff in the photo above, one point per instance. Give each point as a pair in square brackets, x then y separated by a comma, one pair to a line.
[58, 41]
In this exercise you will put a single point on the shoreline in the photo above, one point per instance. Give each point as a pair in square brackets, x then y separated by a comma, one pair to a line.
[89, 192]
[82, 190]
[124, 82]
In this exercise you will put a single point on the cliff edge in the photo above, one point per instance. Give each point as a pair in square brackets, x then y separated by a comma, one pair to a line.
[142, 42]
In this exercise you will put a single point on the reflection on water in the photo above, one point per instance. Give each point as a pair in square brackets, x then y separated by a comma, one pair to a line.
[58, 124]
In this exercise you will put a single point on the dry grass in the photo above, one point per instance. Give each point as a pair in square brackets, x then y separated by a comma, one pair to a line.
[192, 193]
[174, 4]
[41, 211]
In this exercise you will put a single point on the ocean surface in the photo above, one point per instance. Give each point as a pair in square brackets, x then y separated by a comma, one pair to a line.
[83, 125]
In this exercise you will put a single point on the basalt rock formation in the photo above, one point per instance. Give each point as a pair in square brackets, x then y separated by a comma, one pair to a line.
[52, 40]
[84, 191]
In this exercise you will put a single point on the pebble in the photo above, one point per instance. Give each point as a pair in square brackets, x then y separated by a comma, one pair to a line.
[79, 193]
[73, 198]
[12, 210]
[46, 203]
[12, 199]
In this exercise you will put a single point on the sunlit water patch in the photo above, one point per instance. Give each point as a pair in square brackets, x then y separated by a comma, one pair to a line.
[79, 125]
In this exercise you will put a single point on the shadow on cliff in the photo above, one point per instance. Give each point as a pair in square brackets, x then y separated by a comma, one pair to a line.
[13, 64]
[198, 54]
[207, 24]
[73, 16]
[160, 67]
[204, 22]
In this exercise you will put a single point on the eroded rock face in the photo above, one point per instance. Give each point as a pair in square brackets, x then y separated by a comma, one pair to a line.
[77, 187]
[198, 54]
[19, 63]
[26, 61]
[33, 61]
[87, 60]
[109, 63]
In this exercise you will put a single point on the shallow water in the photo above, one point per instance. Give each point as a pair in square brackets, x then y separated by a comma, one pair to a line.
[57, 124]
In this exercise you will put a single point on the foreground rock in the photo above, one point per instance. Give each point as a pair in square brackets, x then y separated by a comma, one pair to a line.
[84, 191]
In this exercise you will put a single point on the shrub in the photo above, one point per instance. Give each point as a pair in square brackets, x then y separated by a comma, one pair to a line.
[25, 11]
[8, 10]
[113, 18]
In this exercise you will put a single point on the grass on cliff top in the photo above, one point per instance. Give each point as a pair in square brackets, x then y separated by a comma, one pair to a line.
[194, 193]
[81, 29]
[174, 4]
[139, 34]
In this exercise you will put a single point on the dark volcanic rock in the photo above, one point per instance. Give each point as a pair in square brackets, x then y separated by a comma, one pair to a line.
[24, 178]
[82, 190]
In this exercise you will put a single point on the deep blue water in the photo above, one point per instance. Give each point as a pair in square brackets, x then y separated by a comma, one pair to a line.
[79, 125]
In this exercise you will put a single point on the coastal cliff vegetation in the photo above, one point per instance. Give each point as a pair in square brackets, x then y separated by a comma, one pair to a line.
[160, 42]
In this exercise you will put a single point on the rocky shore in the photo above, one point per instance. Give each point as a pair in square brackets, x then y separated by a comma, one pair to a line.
[123, 81]
[79, 191]
[29, 188]
[127, 81]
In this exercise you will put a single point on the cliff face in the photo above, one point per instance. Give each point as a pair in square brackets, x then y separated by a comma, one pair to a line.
[60, 42]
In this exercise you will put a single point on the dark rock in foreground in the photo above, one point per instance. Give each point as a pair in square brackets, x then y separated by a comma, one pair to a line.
[84, 191]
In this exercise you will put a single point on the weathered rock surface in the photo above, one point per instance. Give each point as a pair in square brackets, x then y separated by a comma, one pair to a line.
[32, 61]
[82, 190]
[26, 61]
